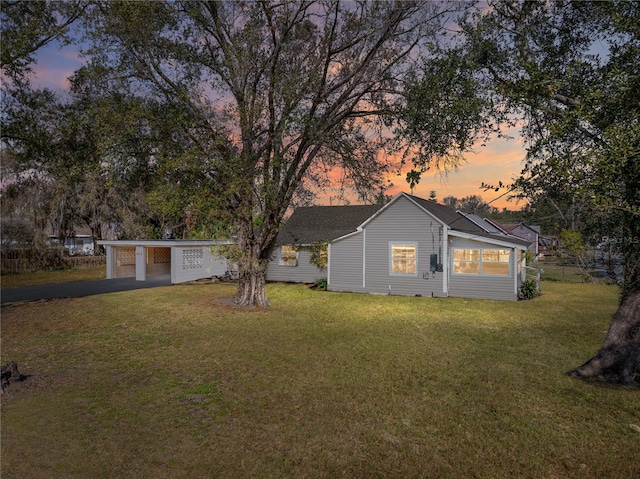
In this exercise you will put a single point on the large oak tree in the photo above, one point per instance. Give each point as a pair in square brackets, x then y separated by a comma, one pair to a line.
[290, 92]
[569, 74]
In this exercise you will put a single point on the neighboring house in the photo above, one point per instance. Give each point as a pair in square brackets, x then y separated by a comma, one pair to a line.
[527, 232]
[81, 243]
[548, 243]
[306, 229]
[410, 246]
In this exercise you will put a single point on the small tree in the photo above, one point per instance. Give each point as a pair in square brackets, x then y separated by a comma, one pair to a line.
[319, 256]
[413, 178]
[576, 250]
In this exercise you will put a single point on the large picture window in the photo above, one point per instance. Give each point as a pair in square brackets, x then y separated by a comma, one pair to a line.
[482, 261]
[288, 256]
[404, 259]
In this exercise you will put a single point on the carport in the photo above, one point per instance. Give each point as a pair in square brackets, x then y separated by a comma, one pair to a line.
[185, 260]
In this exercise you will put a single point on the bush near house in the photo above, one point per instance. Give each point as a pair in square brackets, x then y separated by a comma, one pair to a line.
[528, 289]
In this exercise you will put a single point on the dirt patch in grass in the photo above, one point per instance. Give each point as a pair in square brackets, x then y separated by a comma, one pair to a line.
[229, 302]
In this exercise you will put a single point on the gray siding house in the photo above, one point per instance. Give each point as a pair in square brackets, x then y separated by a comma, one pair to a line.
[417, 247]
[305, 229]
[410, 246]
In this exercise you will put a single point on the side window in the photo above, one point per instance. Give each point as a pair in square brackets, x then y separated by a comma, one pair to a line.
[403, 259]
[492, 262]
[288, 256]
[466, 261]
[496, 261]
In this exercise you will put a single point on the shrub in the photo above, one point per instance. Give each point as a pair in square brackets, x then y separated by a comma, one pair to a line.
[528, 289]
[320, 284]
[530, 257]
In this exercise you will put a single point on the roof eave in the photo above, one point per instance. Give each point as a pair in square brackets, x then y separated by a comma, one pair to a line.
[484, 239]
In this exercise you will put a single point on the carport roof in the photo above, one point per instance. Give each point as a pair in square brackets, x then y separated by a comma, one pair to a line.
[163, 243]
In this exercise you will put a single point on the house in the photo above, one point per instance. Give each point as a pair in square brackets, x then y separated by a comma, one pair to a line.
[80, 243]
[521, 230]
[548, 243]
[410, 246]
[307, 228]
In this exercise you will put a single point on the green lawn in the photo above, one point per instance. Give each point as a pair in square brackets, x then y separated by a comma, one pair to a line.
[51, 277]
[170, 383]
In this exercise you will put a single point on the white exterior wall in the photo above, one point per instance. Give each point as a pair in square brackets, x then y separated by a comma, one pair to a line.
[190, 259]
[193, 263]
[110, 262]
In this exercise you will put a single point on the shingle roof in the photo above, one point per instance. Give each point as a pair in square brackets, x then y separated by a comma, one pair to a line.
[449, 216]
[308, 225]
[459, 222]
[483, 223]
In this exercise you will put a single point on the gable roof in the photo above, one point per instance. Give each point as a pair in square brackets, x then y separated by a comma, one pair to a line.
[310, 224]
[454, 219]
[485, 224]
[460, 223]
[510, 227]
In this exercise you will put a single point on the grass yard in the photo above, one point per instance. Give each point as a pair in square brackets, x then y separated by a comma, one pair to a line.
[51, 277]
[170, 383]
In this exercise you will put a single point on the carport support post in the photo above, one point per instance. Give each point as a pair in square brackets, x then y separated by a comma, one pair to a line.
[110, 262]
[141, 263]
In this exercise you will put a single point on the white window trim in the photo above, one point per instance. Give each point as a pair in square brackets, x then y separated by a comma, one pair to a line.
[480, 273]
[402, 275]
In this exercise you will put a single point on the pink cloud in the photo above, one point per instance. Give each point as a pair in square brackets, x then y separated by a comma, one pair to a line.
[498, 160]
[54, 66]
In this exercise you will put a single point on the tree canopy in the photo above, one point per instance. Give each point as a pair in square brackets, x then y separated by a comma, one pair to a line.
[28, 26]
[290, 92]
[568, 73]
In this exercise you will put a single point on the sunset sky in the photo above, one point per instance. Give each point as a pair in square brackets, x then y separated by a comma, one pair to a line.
[499, 160]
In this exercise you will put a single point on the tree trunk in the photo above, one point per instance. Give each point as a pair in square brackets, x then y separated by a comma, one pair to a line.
[252, 266]
[252, 279]
[618, 360]
[96, 235]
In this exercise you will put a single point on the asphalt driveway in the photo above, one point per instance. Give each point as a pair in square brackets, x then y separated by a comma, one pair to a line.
[78, 289]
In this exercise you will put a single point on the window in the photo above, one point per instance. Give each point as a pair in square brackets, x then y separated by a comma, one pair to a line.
[288, 256]
[466, 261]
[404, 258]
[495, 261]
[485, 261]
